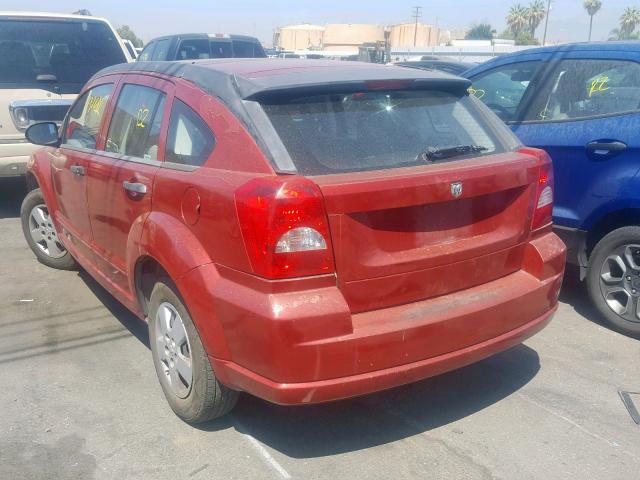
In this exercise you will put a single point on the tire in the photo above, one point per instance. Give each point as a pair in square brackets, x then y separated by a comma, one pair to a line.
[49, 250]
[203, 398]
[613, 279]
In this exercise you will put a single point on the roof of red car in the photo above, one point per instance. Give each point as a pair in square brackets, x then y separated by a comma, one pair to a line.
[248, 78]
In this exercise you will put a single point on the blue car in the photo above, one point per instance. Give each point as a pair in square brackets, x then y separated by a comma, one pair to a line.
[581, 103]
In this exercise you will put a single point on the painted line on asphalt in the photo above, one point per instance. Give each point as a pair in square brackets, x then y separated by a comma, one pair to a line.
[578, 426]
[273, 463]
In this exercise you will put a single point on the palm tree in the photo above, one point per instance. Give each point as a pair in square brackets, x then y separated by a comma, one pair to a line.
[628, 22]
[535, 12]
[517, 19]
[592, 7]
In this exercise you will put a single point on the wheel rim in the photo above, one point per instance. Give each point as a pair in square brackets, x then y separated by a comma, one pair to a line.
[174, 350]
[620, 281]
[43, 233]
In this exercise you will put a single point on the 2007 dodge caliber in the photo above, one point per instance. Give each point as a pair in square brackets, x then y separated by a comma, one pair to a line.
[303, 231]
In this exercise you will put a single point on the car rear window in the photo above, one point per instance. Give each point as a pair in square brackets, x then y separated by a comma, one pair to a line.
[55, 53]
[335, 133]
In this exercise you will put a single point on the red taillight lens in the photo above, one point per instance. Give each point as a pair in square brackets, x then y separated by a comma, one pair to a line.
[284, 227]
[543, 208]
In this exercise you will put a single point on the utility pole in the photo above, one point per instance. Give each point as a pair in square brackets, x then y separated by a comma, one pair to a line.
[546, 22]
[416, 14]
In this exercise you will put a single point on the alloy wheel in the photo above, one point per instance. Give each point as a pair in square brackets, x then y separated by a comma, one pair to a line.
[174, 350]
[620, 281]
[43, 233]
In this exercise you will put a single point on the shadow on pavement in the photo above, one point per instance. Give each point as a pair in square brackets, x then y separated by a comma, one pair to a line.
[137, 327]
[384, 417]
[575, 294]
[12, 191]
[363, 422]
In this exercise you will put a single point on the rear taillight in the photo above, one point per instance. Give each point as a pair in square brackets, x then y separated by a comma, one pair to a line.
[284, 227]
[543, 208]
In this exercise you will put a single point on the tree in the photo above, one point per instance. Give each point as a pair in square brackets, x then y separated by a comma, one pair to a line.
[126, 33]
[522, 38]
[628, 21]
[480, 31]
[535, 12]
[592, 7]
[517, 19]
[82, 11]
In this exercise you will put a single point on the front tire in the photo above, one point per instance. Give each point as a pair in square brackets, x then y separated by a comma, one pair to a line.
[613, 279]
[181, 363]
[41, 235]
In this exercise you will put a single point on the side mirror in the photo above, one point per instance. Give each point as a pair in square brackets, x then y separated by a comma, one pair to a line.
[45, 133]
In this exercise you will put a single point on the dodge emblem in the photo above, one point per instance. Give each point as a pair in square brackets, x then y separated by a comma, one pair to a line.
[456, 189]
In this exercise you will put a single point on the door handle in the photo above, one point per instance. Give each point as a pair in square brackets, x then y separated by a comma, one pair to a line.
[77, 170]
[604, 149]
[135, 187]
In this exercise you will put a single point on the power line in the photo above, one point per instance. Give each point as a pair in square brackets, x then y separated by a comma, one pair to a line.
[416, 13]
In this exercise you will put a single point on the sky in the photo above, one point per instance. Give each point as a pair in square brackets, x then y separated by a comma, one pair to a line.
[568, 20]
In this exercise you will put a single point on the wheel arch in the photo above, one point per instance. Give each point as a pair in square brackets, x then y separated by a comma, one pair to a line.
[168, 248]
[624, 217]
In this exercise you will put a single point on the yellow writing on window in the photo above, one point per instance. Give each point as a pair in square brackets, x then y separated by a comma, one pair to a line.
[95, 104]
[141, 117]
[598, 85]
[477, 92]
[544, 114]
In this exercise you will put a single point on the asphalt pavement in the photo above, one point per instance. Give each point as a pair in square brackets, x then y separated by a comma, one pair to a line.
[79, 399]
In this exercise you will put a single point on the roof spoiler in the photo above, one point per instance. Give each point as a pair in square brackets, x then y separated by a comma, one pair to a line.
[252, 90]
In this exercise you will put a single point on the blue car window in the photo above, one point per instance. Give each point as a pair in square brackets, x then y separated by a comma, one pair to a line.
[592, 88]
[503, 88]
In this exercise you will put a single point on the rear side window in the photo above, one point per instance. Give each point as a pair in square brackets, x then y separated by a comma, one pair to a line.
[83, 123]
[189, 142]
[503, 88]
[161, 51]
[337, 133]
[135, 126]
[589, 88]
[65, 53]
[194, 49]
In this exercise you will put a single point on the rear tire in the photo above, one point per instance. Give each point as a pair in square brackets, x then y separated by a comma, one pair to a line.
[181, 363]
[41, 235]
[613, 279]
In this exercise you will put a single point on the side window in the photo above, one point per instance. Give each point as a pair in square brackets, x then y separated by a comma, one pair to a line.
[189, 142]
[135, 126]
[193, 49]
[502, 88]
[147, 53]
[588, 88]
[162, 50]
[83, 123]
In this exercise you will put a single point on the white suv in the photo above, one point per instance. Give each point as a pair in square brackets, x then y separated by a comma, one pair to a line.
[45, 59]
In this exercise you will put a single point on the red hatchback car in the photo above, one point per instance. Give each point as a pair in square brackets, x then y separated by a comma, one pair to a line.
[303, 231]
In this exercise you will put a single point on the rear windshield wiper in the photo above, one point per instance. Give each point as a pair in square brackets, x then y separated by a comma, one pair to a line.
[432, 154]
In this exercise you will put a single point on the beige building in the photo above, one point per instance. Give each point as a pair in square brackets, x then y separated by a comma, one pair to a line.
[410, 35]
[299, 37]
[349, 36]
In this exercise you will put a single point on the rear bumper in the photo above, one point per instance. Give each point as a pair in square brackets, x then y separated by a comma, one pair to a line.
[338, 388]
[298, 342]
[576, 241]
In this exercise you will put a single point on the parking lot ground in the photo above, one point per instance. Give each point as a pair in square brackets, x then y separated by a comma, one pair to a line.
[79, 399]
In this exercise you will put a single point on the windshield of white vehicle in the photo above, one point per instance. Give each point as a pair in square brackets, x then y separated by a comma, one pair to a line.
[59, 55]
[334, 133]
